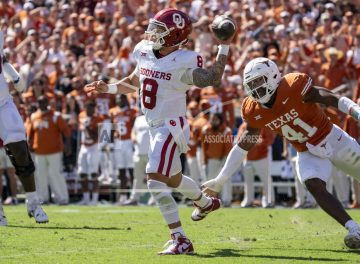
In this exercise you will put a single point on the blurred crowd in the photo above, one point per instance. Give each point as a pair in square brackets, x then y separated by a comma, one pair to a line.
[60, 46]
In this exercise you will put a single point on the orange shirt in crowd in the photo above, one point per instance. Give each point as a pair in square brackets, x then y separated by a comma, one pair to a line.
[45, 131]
[352, 127]
[290, 116]
[6, 11]
[216, 144]
[261, 149]
[335, 75]
[93, 123]
[104, 103]
[220, 101]
[123, 120]
[194, 139]
[198, 124]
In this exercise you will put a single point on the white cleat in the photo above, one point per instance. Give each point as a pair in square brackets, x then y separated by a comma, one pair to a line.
[83, 202]
[35, 210]
[93, 203]
[177, 246]
[3, 220]
[352, 240]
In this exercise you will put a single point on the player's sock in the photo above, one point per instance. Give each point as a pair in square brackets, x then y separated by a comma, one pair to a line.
[32, 197]
[351, 225]
[191, 190]
[177, 232]
[95, 196]
[166, 203]
[86, 196]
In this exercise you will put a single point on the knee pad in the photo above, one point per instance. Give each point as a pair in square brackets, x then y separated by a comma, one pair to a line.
[21, 170]
[163, 198]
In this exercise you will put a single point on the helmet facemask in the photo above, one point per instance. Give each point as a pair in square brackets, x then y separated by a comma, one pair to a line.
[259, 89]
[155, 34]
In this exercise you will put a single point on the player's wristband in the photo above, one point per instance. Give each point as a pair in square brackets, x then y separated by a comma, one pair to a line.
[349, 107]
[112, 88]
[223, 49]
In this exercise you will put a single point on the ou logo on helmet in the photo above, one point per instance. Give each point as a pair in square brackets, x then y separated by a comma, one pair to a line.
[179, 21]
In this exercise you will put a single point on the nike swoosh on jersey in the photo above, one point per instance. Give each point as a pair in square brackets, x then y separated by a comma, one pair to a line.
[285, 101]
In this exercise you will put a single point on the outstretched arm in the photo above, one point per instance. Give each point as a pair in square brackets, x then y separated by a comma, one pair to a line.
[212, 76]
[233, 161]
[324, 96]
[127, 85]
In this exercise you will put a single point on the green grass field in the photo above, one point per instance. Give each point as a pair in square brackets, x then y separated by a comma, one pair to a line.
[135, 234]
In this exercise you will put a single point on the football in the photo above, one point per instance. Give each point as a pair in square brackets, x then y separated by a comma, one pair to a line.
[223, 27]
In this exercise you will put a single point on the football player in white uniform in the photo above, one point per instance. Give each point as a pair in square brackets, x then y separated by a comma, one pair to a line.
[12, 132]
[164, 73]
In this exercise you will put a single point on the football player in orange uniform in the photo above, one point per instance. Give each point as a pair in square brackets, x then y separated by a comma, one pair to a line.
[123, 117]
[288, 106]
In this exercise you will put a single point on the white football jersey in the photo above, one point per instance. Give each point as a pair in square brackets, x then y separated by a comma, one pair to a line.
[162, 92]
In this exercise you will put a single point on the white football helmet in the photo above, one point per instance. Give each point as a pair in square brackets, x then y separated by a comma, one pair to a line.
[261, 79]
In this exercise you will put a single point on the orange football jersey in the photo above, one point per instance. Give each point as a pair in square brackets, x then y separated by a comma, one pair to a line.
[93, 123]
[261, 149]
[289, 116]
[124, 121]
[104, 103]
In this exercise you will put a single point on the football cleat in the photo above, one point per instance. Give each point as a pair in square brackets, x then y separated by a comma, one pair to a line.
[3, 220]
[200, 213]
[83, 202]
[352, 240]
[130, 202]
[177, 246]
[35, 210]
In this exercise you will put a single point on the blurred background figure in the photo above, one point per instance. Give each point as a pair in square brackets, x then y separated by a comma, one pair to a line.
[258, 162]
[89, 154]
[141, 140]
[7, 167]
[123, 117]
[48, 126]
[216, 143]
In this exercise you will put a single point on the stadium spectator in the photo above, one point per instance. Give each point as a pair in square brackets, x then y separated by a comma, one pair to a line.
[48, 126]
[216, 143]
[89, 154]
[6, 166]
[258, 162]
[141, 140]
[123, 117]
[191, 155]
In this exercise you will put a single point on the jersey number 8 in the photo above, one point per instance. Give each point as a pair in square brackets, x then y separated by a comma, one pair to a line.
[149, 91]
